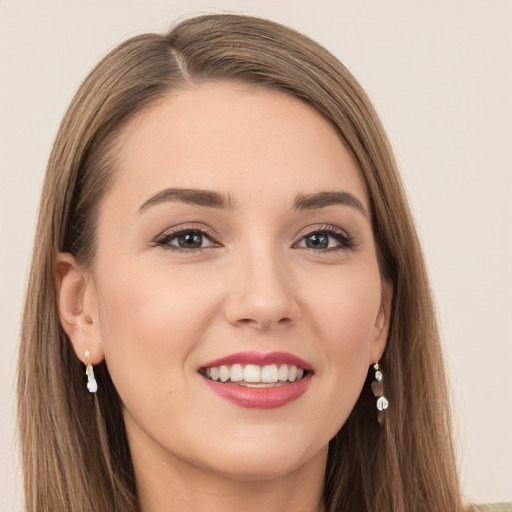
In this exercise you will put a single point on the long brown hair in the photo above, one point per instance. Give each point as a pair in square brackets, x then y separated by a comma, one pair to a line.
[74, 448]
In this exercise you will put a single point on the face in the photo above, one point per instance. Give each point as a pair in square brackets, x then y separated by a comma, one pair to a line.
[236, 294]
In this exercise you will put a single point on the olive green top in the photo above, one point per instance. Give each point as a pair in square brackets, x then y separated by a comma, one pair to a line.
[494, 507]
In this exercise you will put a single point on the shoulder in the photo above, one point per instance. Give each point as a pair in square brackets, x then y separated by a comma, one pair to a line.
[495, 507]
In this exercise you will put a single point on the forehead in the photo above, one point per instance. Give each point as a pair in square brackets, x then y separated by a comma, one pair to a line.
[248, 142]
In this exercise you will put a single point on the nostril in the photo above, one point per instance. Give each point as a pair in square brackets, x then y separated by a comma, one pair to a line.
[247, 321]
[264, 323]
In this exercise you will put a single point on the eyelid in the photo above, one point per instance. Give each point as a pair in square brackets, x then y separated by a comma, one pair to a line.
[345, 240]
[175, 231]
[312, 228]
[346, 243]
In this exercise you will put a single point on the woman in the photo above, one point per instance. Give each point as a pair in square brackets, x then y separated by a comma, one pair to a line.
[224, 247]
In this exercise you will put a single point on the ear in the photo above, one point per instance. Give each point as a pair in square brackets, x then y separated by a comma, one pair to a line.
[381, 327]
[78, 308]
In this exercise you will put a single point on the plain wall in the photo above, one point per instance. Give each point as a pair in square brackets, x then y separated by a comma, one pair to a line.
[440, 75]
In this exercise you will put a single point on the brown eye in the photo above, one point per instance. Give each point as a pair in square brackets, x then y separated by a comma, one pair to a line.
[329, 238]
[186, 240]
[191, 240]
[317, 241]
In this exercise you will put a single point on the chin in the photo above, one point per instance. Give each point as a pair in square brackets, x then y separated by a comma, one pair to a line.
[256, 461]
[258, 469]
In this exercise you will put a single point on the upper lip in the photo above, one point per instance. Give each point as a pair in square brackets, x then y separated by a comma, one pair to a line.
[260, 359]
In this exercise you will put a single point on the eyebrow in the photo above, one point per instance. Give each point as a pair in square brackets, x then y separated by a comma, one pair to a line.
[323, 199]
[212, 199]
[193, 196]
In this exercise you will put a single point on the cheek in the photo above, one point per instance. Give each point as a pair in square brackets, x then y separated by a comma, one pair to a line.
[344, 320]
[150, 320]
[344, 310]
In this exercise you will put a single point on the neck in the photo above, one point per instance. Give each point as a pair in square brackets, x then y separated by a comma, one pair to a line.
[182, 487]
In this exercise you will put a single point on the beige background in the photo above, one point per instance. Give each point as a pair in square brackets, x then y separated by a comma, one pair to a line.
[440, 75]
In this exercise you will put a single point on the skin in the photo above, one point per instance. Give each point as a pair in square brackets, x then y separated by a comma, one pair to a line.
[156, 314]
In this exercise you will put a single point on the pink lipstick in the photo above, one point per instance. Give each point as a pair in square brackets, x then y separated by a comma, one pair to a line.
[256, 380]
[252, 357]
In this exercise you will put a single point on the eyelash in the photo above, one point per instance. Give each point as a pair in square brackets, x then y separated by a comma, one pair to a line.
[346, 242]
[164, 240]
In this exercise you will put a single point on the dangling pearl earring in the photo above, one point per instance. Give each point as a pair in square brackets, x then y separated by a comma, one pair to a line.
[378, 392]
[92, 385]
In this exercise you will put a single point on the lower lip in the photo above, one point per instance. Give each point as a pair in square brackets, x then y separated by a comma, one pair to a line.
[260, 398]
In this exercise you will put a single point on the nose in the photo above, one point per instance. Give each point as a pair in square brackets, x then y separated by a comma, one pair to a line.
[261, 294]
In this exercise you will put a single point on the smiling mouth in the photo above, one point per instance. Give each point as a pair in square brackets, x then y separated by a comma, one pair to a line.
[258, 381]
[254, 376]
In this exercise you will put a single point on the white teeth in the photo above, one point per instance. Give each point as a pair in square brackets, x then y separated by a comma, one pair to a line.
[224, 373]
[254, 374]
[269, 374]
[283, 373]
[237, 373]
